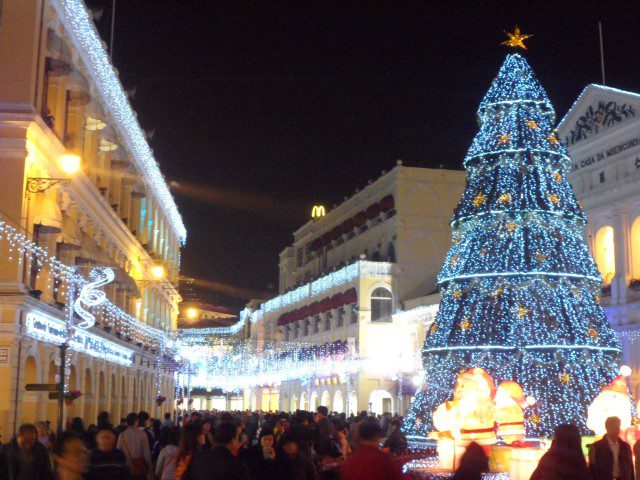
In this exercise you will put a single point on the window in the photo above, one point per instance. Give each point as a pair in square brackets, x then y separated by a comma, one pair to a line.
[340, 319]
[391, 253]
[381, 305]
[306, 327]
[605, 254]
[354, 313]
[601, 177]
[327, 322]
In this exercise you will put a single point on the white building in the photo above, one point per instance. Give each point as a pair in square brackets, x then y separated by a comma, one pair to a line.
[362, 277]
[602, 133]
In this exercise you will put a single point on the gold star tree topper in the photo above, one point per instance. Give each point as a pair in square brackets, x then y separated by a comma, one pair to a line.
[516, 39]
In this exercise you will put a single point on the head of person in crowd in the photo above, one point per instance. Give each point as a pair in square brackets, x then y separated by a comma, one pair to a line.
[132, 420]
[191, 441]
[289, 445]
[143, 418]
[567, 442]
[266, 438]
[70, 456]
[322, 412]
[612, 426]
[227, 436]
[167, 416]
[395, 425]
[207, 425]
[106, 438]
[26, 437]
[42, 429]
[370, 433]
[173, 436]
[77, 425]
[473, 462]
[103, 419]
[156, 425]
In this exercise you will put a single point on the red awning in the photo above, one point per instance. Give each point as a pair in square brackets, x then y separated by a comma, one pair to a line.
[359, 219]
[350, 296]
[387, 203]
[373, 211]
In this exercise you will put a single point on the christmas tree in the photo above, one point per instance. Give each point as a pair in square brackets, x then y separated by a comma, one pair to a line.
[520, 290]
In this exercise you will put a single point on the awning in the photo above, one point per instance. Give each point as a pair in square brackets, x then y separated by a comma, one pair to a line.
[71, 236]
[47, 214]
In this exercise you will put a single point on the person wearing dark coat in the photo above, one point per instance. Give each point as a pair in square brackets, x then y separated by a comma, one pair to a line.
[291, 462]
[610, 458]
[564, 460]
[473, 463]
[260, 459]
[106, 461]
[219, 463]
[26, 458]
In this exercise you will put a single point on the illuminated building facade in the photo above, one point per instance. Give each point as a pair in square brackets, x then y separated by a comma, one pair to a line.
[80, 187]
[359, 282]
[602, 134]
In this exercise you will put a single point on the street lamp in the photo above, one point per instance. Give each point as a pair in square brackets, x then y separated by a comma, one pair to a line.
[158, 272]
[69, 163]
[192, 313]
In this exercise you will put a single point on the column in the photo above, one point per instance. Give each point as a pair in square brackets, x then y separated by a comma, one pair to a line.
[621, 237]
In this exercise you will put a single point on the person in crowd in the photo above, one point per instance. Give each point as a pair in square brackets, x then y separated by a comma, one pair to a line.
[301, 429]
[122, 426]
[326, 441]
[161, 442]
[70, 457]
[354, 430]
[369, 462]
[76, 425]
[260, 459]
[191, 442]
[26, 458]
[143, 424]
[396, 442]
[106, 461]
[90, 437]
[43, 434]
[564, 459]
[219, 463]
[342, 432]
[156, 426]
[611, 457]
[104, 420]
[167, 422]
[292, 463]
[166, 463]
[207, 426]
[473, 463]
[135, 445]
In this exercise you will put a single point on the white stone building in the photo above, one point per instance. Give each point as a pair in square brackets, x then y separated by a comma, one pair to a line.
[602, 133]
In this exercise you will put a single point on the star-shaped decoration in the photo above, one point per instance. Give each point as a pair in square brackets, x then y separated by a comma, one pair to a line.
[516, 39]
[465, 324]
[534, 418]
[597, 298]
[531, 124]
[523, 312]
[505, 198]
[557, 176]
[504, 139]
[510, 227]
[479, 200]
[540, 257]
[433, 329]
[553, 198]
[552, 139]
[497, 293]
[484, 251]
[565, 378]
[454, 259]
[593, 333]
[580, 205]
[457, 294]
[456, 240]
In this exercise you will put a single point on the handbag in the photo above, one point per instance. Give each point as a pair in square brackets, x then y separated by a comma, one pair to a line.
[138, 467]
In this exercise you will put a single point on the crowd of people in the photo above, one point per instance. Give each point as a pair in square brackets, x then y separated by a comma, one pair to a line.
[211, 445]
[265, 446]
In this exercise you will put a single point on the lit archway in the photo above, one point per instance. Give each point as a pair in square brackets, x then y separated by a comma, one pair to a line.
[324, 400]
[294, 403]
[380, 401]
[635, 249]
[304, 402]
[605, 255]
[353, 404]
[338, 403]
[313, 403]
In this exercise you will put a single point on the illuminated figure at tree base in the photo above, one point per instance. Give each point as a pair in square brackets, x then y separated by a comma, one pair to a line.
[520, 291]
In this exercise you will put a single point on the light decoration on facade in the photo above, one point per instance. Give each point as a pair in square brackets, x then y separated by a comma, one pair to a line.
[523, 282]
[49, 329]
[82, 32]
[19, 247]
[91, 297]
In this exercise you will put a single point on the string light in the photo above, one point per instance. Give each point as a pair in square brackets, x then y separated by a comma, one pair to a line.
[82, 32]
[523, 279]
[90, 296]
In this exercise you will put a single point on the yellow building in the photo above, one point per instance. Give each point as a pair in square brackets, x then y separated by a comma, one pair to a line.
[80, 187]
[361, 277]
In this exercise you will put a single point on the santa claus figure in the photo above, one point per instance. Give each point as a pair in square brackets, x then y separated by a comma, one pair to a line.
[470, 416]
[510, 405]
[613, 401]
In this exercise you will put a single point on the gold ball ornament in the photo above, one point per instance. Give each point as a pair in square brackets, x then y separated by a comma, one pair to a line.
[593, 333]
[505, 198]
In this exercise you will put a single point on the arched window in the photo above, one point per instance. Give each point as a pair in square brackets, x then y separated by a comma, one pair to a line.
[381, 305]
[605, 254]
[635, 249]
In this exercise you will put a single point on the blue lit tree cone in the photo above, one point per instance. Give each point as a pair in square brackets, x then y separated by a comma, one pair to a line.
[520, 291]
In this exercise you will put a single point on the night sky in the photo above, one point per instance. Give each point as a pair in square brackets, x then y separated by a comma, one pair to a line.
[261, 111]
